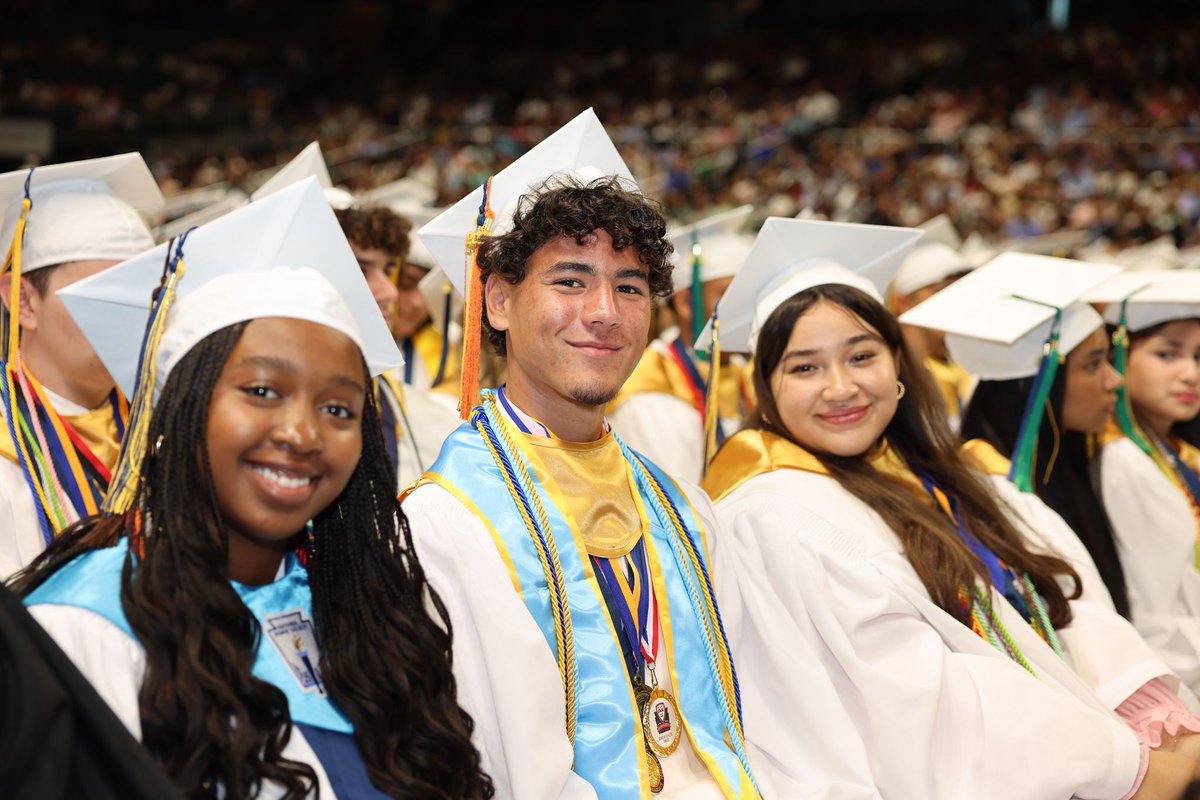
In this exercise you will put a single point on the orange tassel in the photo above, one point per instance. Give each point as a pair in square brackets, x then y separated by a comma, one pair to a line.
[468, 396]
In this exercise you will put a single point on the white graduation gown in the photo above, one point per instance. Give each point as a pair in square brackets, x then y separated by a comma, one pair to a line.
[1156, 535]
[509, 682]
[665, 429]
[20, 534]
[943, 714]
[426, 424]
[114, 663]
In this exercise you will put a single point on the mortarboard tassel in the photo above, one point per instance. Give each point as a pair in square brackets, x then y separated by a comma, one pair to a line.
[1021, 473]
[128, 472]
[712, 409]
[698, 315]
[468, 396]
[10, 339]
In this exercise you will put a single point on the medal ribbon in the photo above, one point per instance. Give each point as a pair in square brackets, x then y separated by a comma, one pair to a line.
[691, 373]
[642, 637]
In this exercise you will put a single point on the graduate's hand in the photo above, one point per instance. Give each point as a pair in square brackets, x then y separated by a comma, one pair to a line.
[1168, 777]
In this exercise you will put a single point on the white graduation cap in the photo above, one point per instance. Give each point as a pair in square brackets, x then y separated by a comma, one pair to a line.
[1154, 297]
[82, 211]
[418, 216]
[308, 163]
[997, 318]
[1157, 255]
[580, 149]
[1058, 243]
[941, 229]
[434, 288]
[926, 265]
[283, 256]
[232, 200]
[791, 255]
[723, 249]
[400, 194]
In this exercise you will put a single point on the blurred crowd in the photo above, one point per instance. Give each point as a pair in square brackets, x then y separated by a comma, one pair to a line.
[1014, 133]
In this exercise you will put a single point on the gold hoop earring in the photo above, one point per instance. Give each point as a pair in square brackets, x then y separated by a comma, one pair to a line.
[901, 390]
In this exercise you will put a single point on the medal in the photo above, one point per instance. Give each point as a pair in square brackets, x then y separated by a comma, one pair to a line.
[661, 723]
[656, 773]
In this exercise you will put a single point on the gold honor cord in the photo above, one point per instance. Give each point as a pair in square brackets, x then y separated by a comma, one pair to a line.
[547, 550]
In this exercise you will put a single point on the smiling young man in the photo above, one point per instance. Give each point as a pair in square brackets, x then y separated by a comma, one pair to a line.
[61, 416]
[574, 571]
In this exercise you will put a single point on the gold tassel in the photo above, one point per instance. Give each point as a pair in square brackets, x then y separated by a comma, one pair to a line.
[712, 399]
[127, 474]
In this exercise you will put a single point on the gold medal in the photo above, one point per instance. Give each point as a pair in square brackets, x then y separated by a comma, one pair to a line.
[661, 723]
[656, 774]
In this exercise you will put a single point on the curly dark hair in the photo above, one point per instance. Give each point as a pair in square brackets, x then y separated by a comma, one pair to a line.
[383, 632]
[376, 228]
[565, 206]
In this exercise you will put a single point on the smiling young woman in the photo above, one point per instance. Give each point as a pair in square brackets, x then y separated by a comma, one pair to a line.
[1148, 473]
[250, 603]
[853, 523]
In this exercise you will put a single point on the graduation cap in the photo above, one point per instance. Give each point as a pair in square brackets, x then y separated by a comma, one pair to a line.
[709, 250]
[231, 200]
[308, 163]
[400, 195]
[1135, 302]
[1149, 297]
[791, 255]
[1017, 317]
[926, 265]
[81, 211]
[283, 256]
[579, 151]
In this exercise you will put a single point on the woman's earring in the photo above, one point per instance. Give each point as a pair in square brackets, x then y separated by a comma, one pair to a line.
[901, 390]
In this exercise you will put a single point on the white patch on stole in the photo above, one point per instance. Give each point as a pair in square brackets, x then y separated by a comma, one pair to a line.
[296, 642]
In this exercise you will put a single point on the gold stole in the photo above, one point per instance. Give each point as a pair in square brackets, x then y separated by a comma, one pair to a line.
[756, 452]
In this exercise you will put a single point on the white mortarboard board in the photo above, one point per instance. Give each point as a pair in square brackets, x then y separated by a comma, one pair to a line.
[1059, 243]
[186, 202]
[723, 249]
[233, 200]
[400, 194]
[1154, 297]
[580, 149]
[941, 229]
[82, 211]
[791, 255]
[418, 216]
[927, 264]
[433, 289]
[993, 361]
[308, 163]
[284, 256]
[997, 318]
[1157, 255]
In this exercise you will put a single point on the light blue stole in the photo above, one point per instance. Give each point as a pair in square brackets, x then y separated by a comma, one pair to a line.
[608, 748]
[287, 656]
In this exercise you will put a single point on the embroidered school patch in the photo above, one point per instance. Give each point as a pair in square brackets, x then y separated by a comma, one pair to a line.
[296, 641]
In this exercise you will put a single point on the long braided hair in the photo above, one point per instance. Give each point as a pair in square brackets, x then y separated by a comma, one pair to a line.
[385, 657]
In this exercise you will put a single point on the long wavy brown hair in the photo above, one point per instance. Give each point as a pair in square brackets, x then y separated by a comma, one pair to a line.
[383, 632]
[920, 434]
